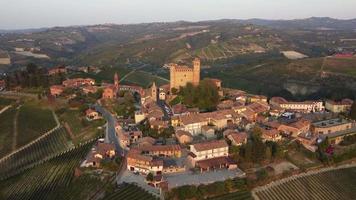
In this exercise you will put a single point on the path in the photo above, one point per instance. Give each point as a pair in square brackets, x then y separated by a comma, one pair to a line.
[5, 109]
[14, 139]
[133, 71]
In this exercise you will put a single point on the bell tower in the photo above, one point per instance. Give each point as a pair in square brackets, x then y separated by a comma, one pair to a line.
[116, 81]
[196, 71]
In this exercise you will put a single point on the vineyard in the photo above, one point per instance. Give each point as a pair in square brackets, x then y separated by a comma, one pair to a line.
[240, 195]
[130, 192]
[51, 180]
[339, 184]
[44, 148]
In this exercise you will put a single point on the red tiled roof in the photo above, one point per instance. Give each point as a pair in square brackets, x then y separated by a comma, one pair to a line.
[210, 145]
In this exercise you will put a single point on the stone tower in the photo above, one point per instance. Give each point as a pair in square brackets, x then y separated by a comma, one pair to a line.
[116, 81]
[196, 71]
[154, 90]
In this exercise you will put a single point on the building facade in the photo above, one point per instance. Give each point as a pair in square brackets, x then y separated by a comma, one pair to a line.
[181, 75]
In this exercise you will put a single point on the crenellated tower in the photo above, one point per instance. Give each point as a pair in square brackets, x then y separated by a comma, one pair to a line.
[196, 71]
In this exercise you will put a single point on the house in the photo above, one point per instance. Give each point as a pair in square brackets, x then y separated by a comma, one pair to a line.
[100, 152]
[162, 150]
[183, 137]
[295, 128]
[210, 149]
[337, 107]
[210, 155]
[56, 90]
[331, 126]
[110, 92]
[179, 109]
[57, 70]
[208, 131]
[89, 89]
[304, 106]
[146, 141]
[238, 139]
[78, 82]
[143, 164]
[92, 114]
[257, 98]
[270, 135]
[259, 107]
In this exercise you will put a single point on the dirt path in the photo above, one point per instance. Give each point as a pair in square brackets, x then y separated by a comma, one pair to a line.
[14, 139]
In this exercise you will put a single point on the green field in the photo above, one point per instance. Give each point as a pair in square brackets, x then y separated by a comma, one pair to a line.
[5, 102]
[33, 121]
[80, 127]
[45, 148]
[144, 79]
[130, 192]
[52, 180]
[339, 184]
[7, 131]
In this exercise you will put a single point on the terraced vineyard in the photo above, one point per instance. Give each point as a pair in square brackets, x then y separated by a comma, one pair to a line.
[51, 180]
[338, 184]
[45, 148]
[130, 192]
[240, 195]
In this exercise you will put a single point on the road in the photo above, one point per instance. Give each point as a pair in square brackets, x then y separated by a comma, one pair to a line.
[110, 135]
[166, 109]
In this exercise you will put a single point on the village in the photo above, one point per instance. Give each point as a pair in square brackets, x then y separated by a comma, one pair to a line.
[163, 142]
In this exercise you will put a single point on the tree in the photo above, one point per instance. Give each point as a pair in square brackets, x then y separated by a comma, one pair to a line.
[353, 111]
[268, 153]
[149, 177]
[229, 185]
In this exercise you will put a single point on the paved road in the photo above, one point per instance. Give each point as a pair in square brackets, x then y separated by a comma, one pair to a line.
[110, 135]
[166, 109]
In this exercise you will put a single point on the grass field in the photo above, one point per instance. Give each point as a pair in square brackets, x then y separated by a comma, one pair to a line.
[33, 121]
[82, 129]
[130, 192]
[5, 102]
[144, 79]
[339, 184]
[52, 180]
[7, 131]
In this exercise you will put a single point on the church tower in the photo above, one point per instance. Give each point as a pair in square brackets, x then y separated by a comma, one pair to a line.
[154, 91]
[196, 71]
[116, 81]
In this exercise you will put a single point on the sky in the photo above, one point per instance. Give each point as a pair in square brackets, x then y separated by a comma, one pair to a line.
[21, 14]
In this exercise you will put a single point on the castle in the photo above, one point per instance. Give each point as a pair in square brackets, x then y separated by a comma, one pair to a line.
[181, 75]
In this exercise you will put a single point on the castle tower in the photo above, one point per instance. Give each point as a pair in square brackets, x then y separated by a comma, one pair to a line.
[172, 71]
[154, 91]
[196, 71]
[116, 81]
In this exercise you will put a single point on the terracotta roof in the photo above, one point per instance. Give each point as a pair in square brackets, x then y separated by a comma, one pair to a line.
[214, 162]
[161, 148]
[149, 140]
[270, 132]
[238, 137]
[210, 145]
[180, 133]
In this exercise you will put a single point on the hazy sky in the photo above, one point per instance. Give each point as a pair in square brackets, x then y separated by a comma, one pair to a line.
[15, 14]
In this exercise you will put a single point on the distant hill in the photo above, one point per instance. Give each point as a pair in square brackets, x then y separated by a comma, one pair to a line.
[314, 23]
[241, 47]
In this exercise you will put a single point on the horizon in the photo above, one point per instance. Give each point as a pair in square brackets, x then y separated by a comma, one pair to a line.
[152, 22]
[25, 14]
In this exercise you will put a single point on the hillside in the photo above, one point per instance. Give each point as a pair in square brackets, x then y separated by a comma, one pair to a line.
[223, 45]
